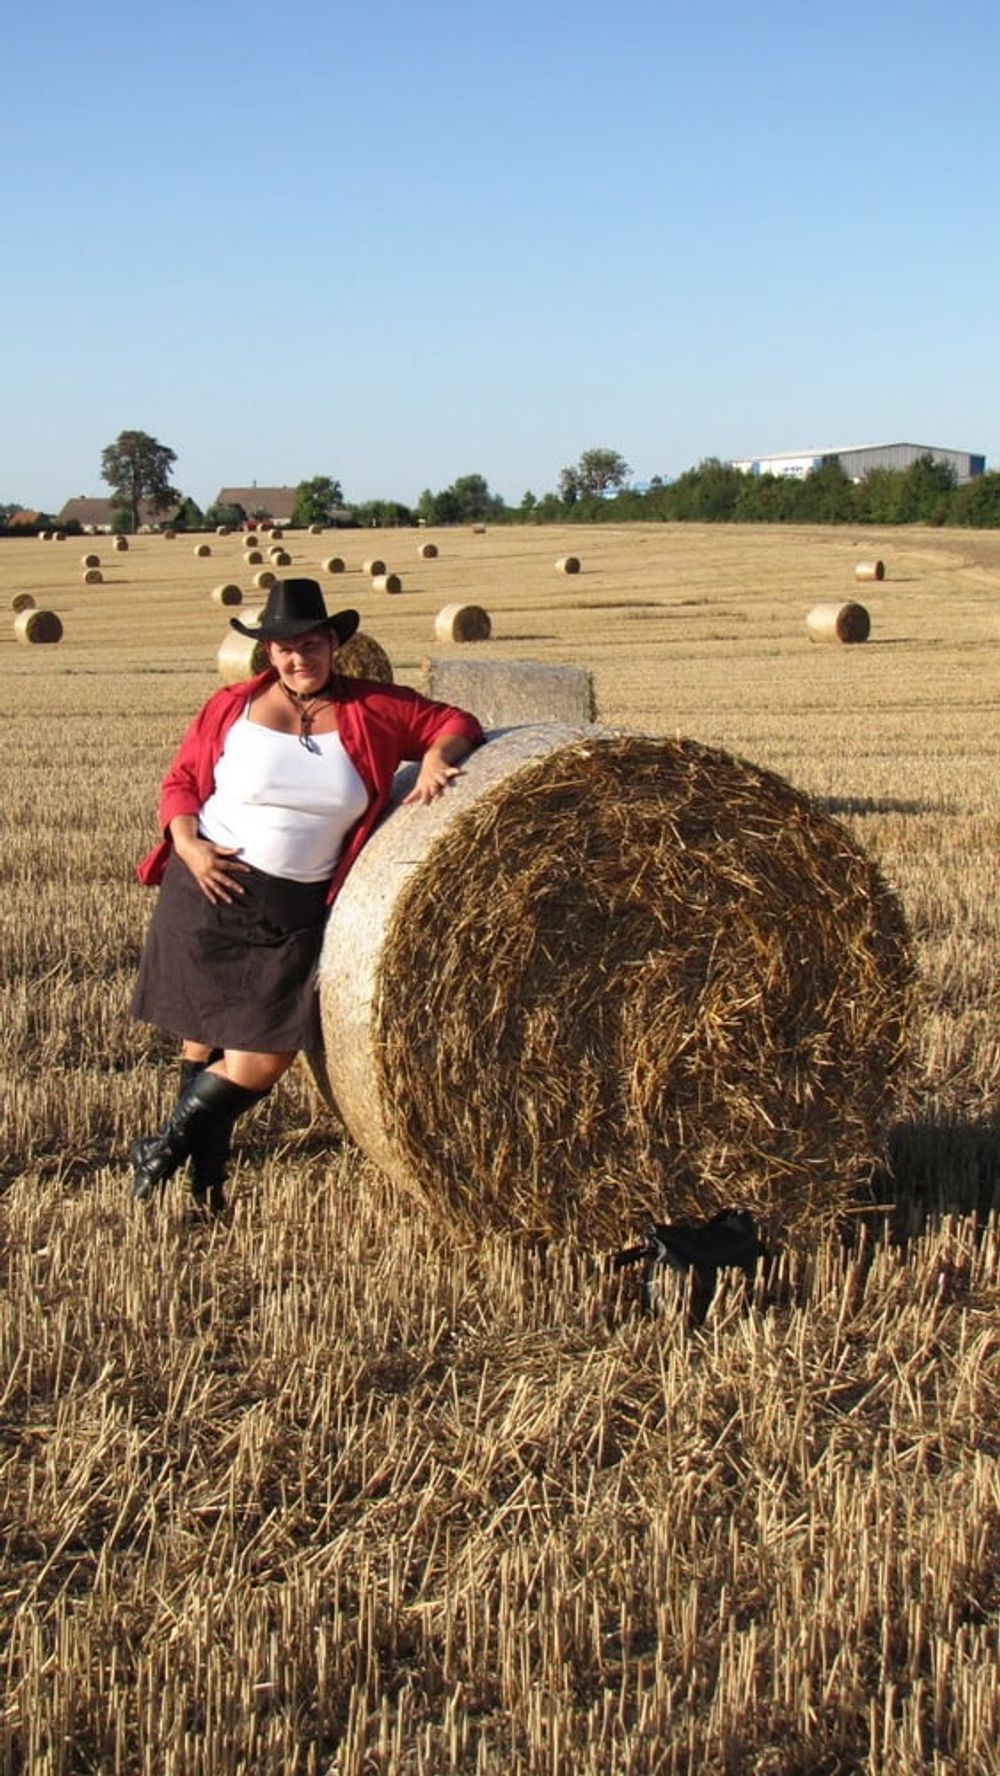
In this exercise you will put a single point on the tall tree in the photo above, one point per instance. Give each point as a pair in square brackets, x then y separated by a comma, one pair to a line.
[137, 468]
[317, 500]
[596, 473]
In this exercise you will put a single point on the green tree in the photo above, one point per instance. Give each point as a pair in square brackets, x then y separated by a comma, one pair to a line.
[137, 468]
[467, 500]
[189, 516]
[316, 501]
[224, 513]
[596, 473]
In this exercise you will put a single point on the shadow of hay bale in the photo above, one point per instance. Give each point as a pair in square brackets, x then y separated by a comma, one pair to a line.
[607, 976]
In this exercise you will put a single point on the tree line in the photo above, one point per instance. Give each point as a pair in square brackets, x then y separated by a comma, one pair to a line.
[593, 490]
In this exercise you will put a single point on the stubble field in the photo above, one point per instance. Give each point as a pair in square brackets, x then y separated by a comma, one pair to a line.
[318, 1491]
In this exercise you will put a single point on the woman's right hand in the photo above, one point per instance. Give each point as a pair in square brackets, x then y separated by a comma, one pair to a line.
[212, 866]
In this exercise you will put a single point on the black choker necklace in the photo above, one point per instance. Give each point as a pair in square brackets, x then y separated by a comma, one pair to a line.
[308, 715]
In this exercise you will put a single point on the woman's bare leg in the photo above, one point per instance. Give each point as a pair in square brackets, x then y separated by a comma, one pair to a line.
[254, 1072]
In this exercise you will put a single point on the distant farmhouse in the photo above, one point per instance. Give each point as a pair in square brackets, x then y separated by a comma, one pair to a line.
[275, 503]
[94, 515]
[858, 460]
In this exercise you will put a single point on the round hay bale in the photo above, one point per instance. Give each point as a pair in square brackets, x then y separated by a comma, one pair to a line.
[168, 535]
[121, 545]
[667, 983]
[37, 625]
[264, 579]
[333, 564]
[363, 657]
[45, 536]
[250, 540]
[240, 656]
[479, 530]
[227, 594]
[223, 530]
[276, 533]
[568, 564]
[253, 557]
[870, 570]
[93, 577]
[838, 622]
[22, 601]
[202, 549]
[58, 536]
[462, 622]
[374, 567]
[280, 558]
[90, 560]
[315, 530]
[387, 582]
[428, 551]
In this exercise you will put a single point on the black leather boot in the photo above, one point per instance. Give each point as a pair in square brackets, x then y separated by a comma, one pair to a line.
[210, 1103]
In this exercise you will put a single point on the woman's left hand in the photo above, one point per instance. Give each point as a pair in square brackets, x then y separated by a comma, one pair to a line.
[437, 768]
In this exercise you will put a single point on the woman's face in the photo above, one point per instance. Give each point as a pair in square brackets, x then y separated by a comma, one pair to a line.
[304, 663]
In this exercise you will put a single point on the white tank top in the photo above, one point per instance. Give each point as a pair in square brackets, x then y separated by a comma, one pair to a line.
[285, 806]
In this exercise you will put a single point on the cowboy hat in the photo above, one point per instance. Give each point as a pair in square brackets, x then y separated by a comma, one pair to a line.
[292, 607]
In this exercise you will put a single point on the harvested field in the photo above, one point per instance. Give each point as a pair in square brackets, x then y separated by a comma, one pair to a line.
[318, 1490]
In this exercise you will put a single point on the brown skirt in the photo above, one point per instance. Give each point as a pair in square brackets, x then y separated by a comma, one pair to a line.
[241, 975]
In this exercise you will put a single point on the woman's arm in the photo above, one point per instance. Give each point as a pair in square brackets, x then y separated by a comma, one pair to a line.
[438, 766]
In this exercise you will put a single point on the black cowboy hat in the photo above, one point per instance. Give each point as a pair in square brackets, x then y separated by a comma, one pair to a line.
[292, 607]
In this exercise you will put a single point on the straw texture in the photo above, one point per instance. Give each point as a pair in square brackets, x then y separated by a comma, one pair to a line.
[624, 976]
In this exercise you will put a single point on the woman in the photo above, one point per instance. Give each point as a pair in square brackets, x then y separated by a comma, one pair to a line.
[274, 789]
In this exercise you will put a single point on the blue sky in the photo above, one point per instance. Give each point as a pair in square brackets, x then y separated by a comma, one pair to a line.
[401, 243]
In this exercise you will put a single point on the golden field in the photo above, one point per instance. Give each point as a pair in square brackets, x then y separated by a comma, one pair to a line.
[314, 1491]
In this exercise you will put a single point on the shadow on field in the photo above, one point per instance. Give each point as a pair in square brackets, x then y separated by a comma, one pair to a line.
[879, 805]
[941, 1166]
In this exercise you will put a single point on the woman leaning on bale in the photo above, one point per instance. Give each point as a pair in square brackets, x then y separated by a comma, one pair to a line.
[273, 791]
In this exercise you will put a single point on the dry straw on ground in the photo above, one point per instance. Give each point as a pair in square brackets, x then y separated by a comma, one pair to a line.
[38, 626]
[462, 622]
[666, 982]
[839, 622]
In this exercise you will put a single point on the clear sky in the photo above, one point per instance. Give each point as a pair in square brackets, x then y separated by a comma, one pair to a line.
[397, 243]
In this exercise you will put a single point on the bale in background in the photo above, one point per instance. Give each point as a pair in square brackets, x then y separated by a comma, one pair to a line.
[387, 582]
[428, 551]
[568, 564]
[264, 579]
[333, 565]
[93, 577]
[90, 560]
[121, 545]
[315, 530]
[202, 549]
[251, 540]
[253, 557]
[462, 622]
[870, 570]
[240, 656]
[667, 984]
[37, 625]
[169, 535]
[373, 567]
[227, 594]
[280, 558]
[22, 601]
[838, 622]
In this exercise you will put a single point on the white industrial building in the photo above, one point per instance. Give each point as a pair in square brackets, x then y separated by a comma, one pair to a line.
[858, 460]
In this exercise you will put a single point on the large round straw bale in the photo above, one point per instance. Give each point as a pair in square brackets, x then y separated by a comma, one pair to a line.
[276, 533]
[373, 567]
[387, 583]
[479, 530]
[428, 551]
[169, 535]
[37, 625]
[870, 570]
[315, 530]
[568, 564]
[93, 577]
[838, 622]
[202, 549]
[240, 656]
[462, 622]
[280, 558]
[121, 545]
[58, 536]
[250, 540]
[227, 594]
[223, 530]
[22, 601]
[45, 536]
[363, 657]
[253, 557]
[264, 579]
[90, 560]
[666, 983]
[333, 564]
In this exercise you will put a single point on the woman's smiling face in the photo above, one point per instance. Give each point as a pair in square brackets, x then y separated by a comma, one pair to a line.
[305, 661]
